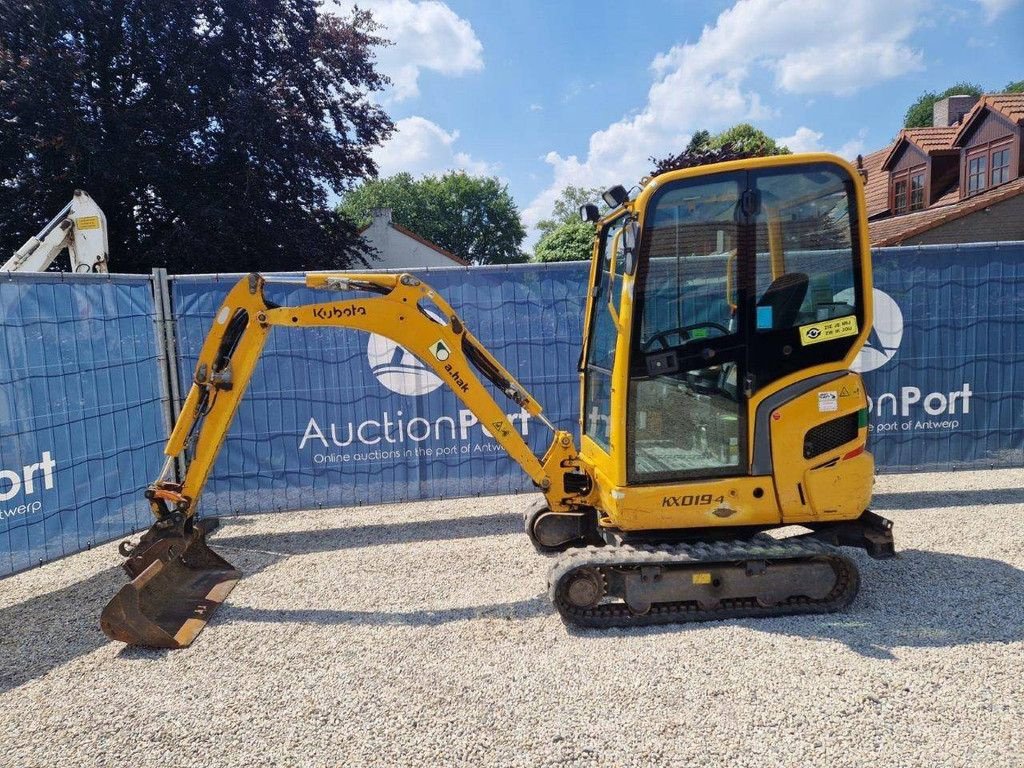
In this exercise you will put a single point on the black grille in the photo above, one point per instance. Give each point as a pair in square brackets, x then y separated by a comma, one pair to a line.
[829, 435]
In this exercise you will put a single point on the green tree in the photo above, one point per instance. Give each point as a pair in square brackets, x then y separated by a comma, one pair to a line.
[741, 141]
[567, 208]
[742, 137]
[1015, 87]
[211, 132]
[472, 216]
[919, 114]
[572, 240]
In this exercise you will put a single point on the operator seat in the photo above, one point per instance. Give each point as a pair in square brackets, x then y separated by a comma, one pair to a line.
[785, 296]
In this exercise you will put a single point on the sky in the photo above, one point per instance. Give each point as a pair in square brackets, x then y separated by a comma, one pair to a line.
[546, 93]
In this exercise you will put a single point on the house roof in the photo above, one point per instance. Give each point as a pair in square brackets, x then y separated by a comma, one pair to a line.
[422, 240]
[1009, 105]
[876, 188]
[928, 140]
[897, 229]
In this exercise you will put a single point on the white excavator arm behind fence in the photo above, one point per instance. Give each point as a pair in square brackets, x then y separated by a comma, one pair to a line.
[80, 227]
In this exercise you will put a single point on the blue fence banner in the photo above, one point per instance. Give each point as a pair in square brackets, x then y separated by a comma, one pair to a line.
[81, 417]
[338, 417]
[943, 363]
[335, 417]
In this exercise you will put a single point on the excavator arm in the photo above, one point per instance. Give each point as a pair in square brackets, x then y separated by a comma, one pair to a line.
[81, 227]
[177, 580]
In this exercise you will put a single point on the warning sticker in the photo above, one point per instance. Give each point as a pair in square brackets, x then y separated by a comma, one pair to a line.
[440, 350]
[88, 222]
[702, 578]
[828, 330]
[828, 401]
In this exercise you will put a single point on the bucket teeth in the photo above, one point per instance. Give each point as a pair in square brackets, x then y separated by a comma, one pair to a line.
[177, 583]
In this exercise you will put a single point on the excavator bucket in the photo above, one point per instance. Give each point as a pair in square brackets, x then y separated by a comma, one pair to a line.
[177, 583]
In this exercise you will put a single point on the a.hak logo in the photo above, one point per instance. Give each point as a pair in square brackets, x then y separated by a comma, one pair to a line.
[886, 332]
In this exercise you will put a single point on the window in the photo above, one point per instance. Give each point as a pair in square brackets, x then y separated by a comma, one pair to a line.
[687, 417]
[804, 261]
[1000, 166]
[603, 336]
[899, 196]
[976, 167]
[917, 191]
[908, 190]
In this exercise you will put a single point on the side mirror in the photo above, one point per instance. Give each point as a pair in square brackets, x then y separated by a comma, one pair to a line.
[589, 213]
[630, 242]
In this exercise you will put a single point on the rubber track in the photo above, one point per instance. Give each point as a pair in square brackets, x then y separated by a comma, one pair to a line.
[618, 614]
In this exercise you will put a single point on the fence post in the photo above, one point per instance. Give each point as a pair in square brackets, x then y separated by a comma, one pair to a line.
[167, 357]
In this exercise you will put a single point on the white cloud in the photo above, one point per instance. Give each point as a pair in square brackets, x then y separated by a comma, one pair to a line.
[421, 146]
[809, 140]
[855, 146]
[536, 108]
[426, 35]
[804, 140]
[996, 8]
[806, 46]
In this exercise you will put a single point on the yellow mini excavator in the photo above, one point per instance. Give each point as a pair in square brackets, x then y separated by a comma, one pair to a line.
[726, 304]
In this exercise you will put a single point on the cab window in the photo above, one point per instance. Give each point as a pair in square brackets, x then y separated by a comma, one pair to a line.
[603, 335]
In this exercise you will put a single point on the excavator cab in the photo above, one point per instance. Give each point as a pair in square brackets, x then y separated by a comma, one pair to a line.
[726, 304]
[744, 283]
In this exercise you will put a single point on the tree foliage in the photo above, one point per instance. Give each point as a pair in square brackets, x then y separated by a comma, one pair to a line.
[567, 208]
[740, 141]
[742, 137]
[211, 132]
[572, 240]
[919, 114]
[1014, 87]
[472, 216]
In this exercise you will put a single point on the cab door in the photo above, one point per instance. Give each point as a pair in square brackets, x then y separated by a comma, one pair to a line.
[686, 402]
[601, 343]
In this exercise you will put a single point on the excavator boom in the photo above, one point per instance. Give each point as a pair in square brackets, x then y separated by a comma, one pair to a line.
[80, 227]
[177, 580]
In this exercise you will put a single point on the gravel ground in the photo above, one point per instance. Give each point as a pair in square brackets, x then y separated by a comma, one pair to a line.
[419, 634]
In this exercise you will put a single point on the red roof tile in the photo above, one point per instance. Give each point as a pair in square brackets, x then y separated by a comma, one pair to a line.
[1009, 105]
[876, 188]
[928, 140]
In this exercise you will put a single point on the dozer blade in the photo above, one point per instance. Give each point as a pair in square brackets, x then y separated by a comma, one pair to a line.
[178, 583]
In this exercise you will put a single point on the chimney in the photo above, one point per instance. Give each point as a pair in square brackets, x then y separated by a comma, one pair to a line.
[951, 110]
[383, 215]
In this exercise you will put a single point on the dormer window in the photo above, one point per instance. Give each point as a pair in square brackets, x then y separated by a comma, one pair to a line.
[917, 191]
[976, 173]
[1001, 165]
[908, 190]
[899, 196]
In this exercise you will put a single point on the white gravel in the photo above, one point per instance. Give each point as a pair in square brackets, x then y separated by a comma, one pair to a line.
[420, 634]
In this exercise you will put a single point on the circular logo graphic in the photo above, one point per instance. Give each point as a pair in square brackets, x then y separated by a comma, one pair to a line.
[886, 333]
[398, 369]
